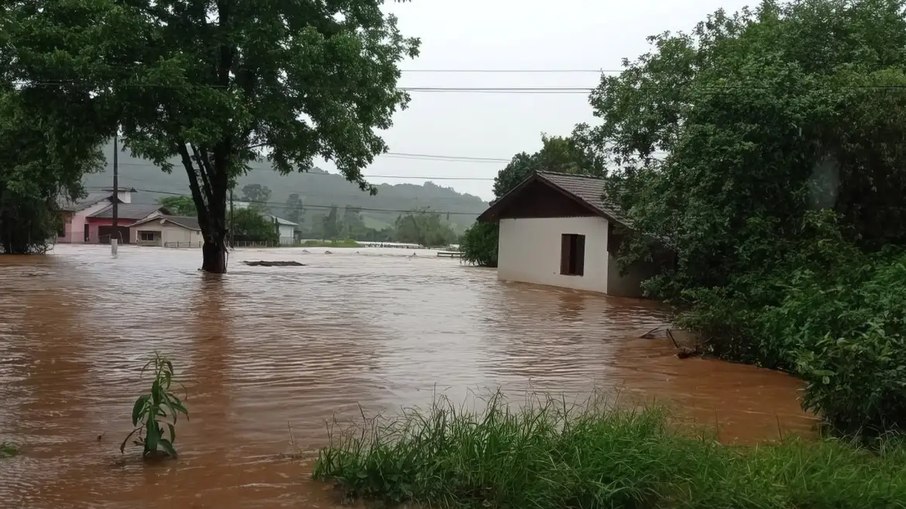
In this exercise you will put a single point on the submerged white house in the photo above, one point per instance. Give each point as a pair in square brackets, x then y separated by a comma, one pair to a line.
[556, 229]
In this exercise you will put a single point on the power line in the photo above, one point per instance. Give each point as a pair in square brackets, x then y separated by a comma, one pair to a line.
[436, 156]
[400, 177]
[513, 71]
[317, 206]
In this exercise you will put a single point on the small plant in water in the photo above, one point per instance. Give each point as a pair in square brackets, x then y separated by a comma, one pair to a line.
[155, 410]
[8, 450]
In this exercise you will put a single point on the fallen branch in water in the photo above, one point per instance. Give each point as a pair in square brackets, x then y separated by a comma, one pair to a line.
[263, 263]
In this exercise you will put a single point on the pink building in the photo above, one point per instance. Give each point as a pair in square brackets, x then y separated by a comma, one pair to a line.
[100, 224]
[75, 228]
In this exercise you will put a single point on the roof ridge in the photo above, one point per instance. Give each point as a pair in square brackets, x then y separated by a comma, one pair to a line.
[563, 174]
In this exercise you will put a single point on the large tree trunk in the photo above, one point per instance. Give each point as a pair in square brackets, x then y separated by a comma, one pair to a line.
[214, 253]
[214, 250]
[208, 181]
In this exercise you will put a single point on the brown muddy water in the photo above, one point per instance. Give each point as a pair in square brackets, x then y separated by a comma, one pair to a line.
[268, 355]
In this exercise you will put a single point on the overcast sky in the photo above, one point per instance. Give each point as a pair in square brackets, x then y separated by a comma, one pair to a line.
[512, 34]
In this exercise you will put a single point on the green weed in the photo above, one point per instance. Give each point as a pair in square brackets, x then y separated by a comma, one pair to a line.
[548, 454]
[8, 450]
[157, 409]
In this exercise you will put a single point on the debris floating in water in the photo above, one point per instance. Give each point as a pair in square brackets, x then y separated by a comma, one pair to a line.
[264, 263]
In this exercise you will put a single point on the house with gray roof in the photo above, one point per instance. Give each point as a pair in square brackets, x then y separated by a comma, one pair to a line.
[100, 224]
[164, 230]
[558, 229]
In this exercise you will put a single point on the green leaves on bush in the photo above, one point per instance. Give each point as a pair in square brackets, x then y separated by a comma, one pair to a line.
[155, 414]
[479, 244]
[770, 161]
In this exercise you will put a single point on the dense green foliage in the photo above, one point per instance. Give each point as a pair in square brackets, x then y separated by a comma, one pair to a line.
[152, 411]
[425, 228]
[479, 244]
[179, 205]
[548, 455]
[40, 164]
[766, 148]
[213, 82]
[249, 225]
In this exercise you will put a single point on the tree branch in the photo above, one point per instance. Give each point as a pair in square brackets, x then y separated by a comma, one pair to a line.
[197, 196]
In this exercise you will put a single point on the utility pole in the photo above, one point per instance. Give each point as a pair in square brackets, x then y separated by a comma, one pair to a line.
[114, 236]
[232, 224]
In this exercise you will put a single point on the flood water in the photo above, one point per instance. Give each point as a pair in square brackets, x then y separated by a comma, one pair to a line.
[269, 354]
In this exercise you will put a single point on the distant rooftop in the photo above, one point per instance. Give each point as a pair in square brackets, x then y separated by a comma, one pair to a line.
[134, 211]
[189, 223]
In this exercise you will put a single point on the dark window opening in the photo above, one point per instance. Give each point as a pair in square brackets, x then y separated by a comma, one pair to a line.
[572, 254]
[147, 236]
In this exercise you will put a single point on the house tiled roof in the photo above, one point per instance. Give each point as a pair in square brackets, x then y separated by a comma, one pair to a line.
[84, 203]
[585, 190]
[133, 211]
[189, 223]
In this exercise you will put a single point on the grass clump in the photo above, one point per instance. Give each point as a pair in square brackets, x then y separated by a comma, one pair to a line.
[8, 450]
[547, 454]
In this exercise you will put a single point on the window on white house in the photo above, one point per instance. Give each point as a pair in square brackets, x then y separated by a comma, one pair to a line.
[146, 236]
[572, 254]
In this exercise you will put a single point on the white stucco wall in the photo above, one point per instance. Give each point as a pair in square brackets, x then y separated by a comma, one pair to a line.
[168, 233]
[287, 237]
[75, 228]
[529, 251]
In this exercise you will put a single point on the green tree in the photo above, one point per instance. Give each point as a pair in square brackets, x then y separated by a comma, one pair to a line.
[179, 205]
[332, 226]
[41, 161]
[294, 210]
[213, 83]
[425, 228]
[257, 196]
[760, 147]
[479, 244]
[557, 154]
[250, 225]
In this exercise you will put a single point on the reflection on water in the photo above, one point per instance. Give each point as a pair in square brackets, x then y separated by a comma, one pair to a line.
[270, 353]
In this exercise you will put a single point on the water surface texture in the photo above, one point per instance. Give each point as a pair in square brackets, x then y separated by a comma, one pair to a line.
[269, 354]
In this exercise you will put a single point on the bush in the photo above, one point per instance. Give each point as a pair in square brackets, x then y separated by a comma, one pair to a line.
[852, 332]
[550, 455]
[479, 244]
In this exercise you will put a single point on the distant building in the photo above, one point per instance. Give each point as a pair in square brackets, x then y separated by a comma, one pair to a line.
[75, 228]
[556, 229]
[166, 231]
[286, 230]
[100, 224]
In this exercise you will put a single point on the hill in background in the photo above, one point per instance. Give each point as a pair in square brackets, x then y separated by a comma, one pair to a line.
[318, 190]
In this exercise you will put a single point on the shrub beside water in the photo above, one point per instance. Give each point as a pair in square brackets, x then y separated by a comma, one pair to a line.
[550, 455]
